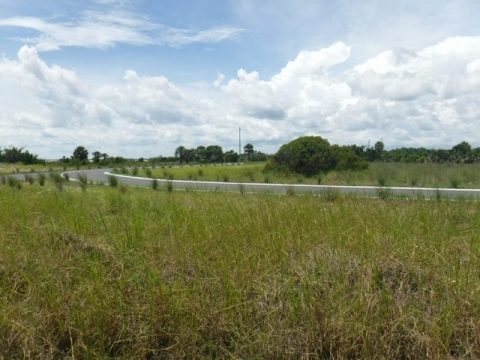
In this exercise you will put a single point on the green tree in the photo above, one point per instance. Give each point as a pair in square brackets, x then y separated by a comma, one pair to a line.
[80, 154]
[248, 149]
[213, 153]
[346, 159]
[230, 156]
[96, 155]
[307, 155]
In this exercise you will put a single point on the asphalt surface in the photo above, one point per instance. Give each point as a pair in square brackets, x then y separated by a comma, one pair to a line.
[102, 176]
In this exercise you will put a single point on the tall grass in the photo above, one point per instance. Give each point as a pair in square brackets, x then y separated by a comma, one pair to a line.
[83, 180]
[113, 181]
[145, 275]
[378, 174]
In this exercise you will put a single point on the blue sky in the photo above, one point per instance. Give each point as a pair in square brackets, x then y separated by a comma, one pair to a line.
[140, 77]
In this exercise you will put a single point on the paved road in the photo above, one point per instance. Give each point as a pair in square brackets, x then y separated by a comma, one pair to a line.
[101, 175]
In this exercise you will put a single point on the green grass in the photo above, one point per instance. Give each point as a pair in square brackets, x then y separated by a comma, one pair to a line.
[149, 274]
[378, 174]
[21, 168]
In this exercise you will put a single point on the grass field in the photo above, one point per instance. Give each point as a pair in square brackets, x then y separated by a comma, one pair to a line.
[142, 274]
[6, 169]
[384, 174]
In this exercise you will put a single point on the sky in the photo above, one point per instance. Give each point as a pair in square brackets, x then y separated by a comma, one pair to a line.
[138, 78]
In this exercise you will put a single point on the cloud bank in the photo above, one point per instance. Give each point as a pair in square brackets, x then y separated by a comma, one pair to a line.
[426, 98]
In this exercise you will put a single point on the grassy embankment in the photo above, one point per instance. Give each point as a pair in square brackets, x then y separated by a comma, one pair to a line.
[383, 174]
[137, 273]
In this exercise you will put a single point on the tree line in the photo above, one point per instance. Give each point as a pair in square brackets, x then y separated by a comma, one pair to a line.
[19, 155]
[347, 156]
[460, 153]
[215, 154]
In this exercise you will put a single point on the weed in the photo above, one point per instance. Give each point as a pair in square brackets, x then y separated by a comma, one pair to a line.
[290, 191]
[455, 183]
[41, 179]
[112, 181]
[58, 180]
[83, 180]
[12, 182]
[384, 193]
[241, 189]
[29, 179]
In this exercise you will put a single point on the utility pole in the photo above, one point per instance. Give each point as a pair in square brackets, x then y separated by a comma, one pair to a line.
[239, 143]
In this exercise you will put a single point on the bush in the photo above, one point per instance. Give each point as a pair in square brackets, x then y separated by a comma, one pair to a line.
[148, 172]
[347, 160]
[154, 184]
[58, 180]
[12, 182]
[307, 155]
[83, 180]
[41, 179]
[112, 181]
[310, 155]
[29, 179]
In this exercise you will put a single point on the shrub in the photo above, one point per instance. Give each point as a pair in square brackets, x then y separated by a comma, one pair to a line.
[135, 171]
[347, 160]
[154, 184]
[29, 179]
[83, 180]
[3, 179]
[12, 182]
[290, 191]
[306, 155]
[148, 172]
[310, 155]
[241, 189]
[57, 180]
[41, 179]
[112, 181]
[455, 183]
[169, 186]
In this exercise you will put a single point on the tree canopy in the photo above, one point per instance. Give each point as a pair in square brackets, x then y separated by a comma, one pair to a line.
[310, 155]
[18, 155]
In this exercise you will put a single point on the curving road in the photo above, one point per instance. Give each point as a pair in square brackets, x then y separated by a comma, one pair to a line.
[102, 175]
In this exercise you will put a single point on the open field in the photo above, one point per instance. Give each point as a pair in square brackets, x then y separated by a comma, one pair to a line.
[132, 273]
[383, 174]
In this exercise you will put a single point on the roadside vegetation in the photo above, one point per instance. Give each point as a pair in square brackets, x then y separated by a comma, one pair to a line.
[448, 175]
[144, 274]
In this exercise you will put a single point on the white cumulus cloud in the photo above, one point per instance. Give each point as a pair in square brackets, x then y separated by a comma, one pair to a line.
[428, 97]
